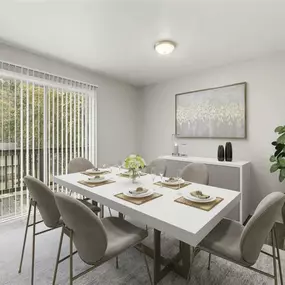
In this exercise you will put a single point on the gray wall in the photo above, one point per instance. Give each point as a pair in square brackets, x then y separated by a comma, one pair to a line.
[265, 106]
[117, 102]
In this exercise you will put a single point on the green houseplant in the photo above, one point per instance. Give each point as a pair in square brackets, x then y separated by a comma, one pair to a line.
[278, 158]
[134, 163]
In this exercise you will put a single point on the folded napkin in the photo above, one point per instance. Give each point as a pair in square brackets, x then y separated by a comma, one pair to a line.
[199, 195]
[172, 179]
[138, 191]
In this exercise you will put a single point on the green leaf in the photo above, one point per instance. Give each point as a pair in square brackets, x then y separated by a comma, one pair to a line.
[278, 129]
[277, 152]
[279, 146]
[281, 139]
[281, 154]
[274, 143]
[272, 158]
[274, 167]
[281, 161]
[282, 175]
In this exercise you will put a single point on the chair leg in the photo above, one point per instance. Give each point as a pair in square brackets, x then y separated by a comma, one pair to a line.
[34, 246]
[146, 264]
[274, 258]
[110, 212]
[102, 212]
[71, 259]
[191, 252]
[117, 262]
[209, 261]
[278, 257]
[25, 237]
[58, 256]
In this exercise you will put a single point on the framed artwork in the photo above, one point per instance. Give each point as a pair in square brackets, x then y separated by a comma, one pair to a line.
[212, 113]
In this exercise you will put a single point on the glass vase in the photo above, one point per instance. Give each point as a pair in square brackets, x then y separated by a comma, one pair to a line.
[134, 175]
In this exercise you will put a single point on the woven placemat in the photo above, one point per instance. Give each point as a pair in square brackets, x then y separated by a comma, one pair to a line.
[128, 176]
[186, 183]
[92, 185]
[93, 174]
[203, 206]
[138, 201]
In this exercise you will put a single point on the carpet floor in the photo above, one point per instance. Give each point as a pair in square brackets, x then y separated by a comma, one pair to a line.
[131, 270]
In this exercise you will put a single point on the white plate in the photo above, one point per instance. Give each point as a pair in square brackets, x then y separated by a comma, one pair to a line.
[181, 181]
[197, 200]
[98, 180]
[148, 193]
[93, 171]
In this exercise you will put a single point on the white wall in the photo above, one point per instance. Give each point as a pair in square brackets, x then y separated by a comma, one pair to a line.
[265, 110]
[117, 102]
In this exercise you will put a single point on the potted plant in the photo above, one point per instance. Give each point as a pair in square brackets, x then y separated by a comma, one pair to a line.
[134, 163]
[278, 160]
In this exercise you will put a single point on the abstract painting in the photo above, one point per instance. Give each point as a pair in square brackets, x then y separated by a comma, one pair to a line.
[212, 113]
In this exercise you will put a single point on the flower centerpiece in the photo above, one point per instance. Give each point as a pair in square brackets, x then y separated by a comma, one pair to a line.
[134, 163]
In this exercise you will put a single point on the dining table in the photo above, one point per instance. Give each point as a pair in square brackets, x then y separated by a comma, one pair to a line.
[188, 224]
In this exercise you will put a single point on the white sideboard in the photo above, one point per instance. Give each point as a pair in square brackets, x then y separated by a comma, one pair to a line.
[233, 175]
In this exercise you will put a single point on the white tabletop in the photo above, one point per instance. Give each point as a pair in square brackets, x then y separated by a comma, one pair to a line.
[185, 223]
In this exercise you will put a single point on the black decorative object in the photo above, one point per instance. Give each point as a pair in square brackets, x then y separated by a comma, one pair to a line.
[221, 153]
[229, 152]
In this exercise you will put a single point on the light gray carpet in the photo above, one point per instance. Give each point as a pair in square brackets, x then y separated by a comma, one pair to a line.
[132, 270]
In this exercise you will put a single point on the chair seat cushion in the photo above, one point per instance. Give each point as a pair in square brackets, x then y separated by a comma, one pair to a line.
[224, 241]
[93, 208]
[121, 235]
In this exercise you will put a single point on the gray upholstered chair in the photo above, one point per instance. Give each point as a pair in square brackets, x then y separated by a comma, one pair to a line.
[96, 241]
[196, 173]
[42, 198]
[158, 166]
[243, 244]
[79, 164]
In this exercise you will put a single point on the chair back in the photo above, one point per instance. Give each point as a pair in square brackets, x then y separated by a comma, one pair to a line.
[196, 173]
[79, 164]
[158, 165]
[44, 198]
[89, 235]
[259, 226]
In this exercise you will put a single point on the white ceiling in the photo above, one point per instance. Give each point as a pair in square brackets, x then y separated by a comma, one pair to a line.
[117, 37]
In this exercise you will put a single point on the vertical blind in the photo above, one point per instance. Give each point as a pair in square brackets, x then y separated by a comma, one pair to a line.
[43, 125]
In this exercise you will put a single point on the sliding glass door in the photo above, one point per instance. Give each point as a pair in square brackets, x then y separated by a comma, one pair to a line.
[42, 127]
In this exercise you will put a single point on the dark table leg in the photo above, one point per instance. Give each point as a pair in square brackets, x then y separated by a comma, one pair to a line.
[157, 255]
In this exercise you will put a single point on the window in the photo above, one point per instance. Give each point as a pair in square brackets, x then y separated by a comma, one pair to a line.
[45, 121]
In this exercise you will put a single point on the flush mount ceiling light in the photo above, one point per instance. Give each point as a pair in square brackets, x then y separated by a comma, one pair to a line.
[165, 47]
